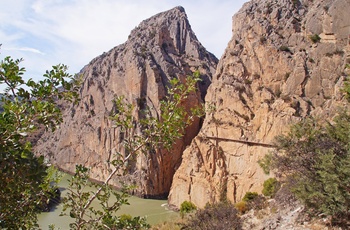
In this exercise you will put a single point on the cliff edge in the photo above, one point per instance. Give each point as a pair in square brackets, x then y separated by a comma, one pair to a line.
[160, 48]
[286, 61]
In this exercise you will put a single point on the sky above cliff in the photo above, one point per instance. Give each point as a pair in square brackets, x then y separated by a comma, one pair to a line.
[48, 32]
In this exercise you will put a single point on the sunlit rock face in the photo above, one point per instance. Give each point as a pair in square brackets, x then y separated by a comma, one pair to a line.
[286, 60]
[160, 48]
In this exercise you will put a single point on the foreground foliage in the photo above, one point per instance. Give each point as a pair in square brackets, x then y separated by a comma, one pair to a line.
[270, 187]
[314, 157]
[316, 161]
[25, 183]
[151, 134]
[187, 207]
[80, 197]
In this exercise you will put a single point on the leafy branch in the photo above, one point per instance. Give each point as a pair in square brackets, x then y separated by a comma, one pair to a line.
[139, 136]
[25, 106]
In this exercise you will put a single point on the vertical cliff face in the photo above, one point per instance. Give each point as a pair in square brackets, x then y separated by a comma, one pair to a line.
[286, 60]
[160, 48]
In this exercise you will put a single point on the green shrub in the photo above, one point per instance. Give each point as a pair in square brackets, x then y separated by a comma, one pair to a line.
[271, 186]
[126, 221]
[250, 196]
[265, 163]
[315, 38]
[315, 157]
[186, 207]
[284, 49]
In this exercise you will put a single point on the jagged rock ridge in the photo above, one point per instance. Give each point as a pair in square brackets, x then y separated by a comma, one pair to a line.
[160, 48]
[286, 60]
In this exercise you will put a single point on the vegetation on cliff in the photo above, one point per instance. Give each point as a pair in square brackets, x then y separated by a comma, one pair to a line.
[314, 161]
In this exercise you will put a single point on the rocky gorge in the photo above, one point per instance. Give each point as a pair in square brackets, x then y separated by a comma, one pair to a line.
[286, 61]
[159, 49]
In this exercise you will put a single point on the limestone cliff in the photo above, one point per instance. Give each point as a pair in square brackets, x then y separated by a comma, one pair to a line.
[160, 48]
[285, 61]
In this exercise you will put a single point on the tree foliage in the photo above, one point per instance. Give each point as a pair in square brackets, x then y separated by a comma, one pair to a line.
[25, 105]
[314, 157]
[250, 196]
[187, 207]
[157, 130]
[144, 135]
[316, 160]
[270, 187]
[82, 192]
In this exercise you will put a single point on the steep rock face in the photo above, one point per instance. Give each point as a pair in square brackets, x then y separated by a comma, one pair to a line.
[274, 72]
[160, 48]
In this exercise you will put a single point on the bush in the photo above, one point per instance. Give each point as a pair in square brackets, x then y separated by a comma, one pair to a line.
[241, 206]
[315, 38]
[284, 49]
[316, 159]
[250, 196]
[216, 216]
[265, 163]
[126, 221]
[271, 186]
[186, 207]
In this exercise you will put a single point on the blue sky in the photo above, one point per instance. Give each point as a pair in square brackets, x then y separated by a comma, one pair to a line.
[48, 32]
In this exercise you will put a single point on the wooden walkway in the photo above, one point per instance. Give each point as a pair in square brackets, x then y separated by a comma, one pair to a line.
[250, 143]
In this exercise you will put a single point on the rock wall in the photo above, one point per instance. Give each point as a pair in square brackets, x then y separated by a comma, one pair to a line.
[160, 48]
[286, 60]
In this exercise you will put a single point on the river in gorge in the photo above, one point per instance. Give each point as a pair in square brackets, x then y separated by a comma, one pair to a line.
[156, 211]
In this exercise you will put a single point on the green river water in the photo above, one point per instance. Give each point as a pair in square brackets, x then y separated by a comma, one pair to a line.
[156, 211]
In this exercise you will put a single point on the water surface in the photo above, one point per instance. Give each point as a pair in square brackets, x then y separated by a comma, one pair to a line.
[156, 211]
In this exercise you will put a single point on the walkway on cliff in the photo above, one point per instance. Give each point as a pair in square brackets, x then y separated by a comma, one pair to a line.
[251, 143]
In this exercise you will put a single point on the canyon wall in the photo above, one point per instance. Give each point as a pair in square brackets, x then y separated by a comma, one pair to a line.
[286, 61]
[159, 49]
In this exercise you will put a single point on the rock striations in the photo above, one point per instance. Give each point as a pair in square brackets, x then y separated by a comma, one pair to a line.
[160, 48]
[285, 61]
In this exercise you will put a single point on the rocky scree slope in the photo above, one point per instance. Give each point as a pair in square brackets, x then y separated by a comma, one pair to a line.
[286, 60]
[160, 48]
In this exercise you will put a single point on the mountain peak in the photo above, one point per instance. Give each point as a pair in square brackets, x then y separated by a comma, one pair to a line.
[170, 23]
[179, 8]
[170, 34]
[161, 48]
